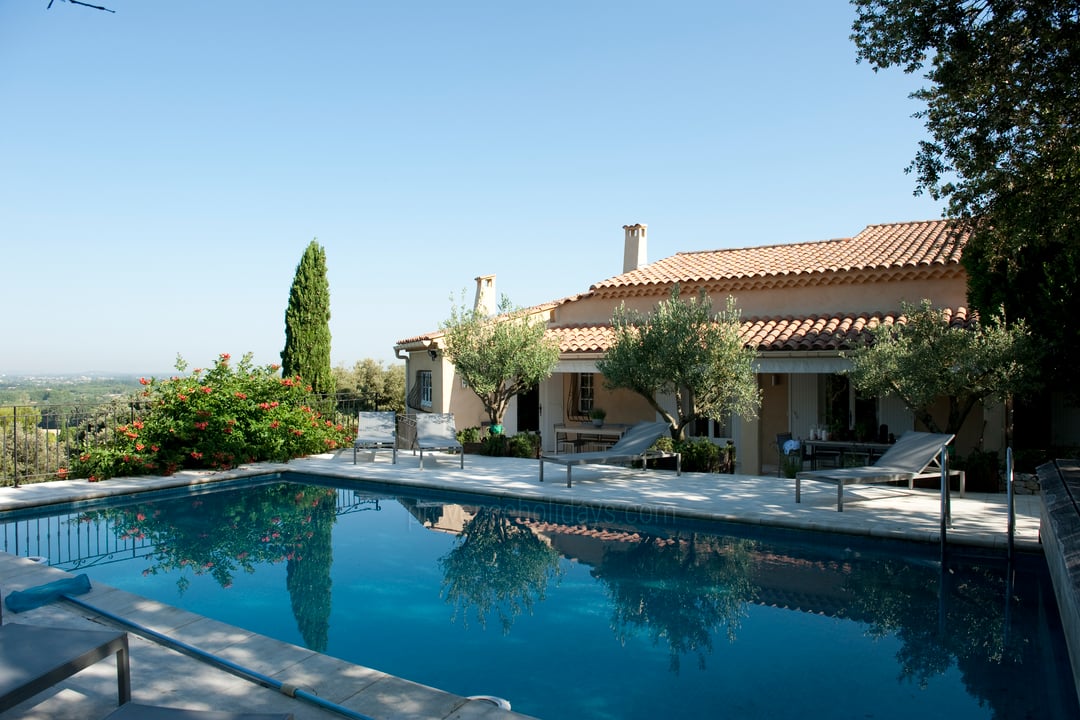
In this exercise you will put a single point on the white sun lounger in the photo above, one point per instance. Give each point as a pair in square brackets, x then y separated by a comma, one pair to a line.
[436, 431]
[914, 456]
[633, 445]
[376, 431]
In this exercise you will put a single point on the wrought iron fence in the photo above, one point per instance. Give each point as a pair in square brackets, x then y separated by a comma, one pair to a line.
[38, 441]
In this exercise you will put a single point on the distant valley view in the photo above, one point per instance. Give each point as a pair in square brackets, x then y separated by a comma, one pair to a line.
[73, 389]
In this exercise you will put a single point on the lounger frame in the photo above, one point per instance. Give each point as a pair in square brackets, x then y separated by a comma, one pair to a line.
[376, 431]
[915, 456]
[634, 445]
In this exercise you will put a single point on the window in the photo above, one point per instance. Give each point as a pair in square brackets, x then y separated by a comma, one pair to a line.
[716, 430]
[585, 393]
[423, 380]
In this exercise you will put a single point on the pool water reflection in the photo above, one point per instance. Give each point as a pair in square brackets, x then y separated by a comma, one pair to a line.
[586, 613]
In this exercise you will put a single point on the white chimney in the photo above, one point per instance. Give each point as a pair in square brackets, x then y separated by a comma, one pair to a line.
[636, 251]
[485, 301]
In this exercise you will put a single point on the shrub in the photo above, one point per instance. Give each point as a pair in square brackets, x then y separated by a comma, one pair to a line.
[215, 419]
[982, 470]
[700, 455]
[494, 446]
[469, 435]
[523, 445]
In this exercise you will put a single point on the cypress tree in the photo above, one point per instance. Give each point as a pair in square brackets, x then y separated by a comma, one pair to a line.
[307, 323]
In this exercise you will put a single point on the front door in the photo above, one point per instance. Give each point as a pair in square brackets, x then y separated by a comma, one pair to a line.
[528, 410]
[774, 417]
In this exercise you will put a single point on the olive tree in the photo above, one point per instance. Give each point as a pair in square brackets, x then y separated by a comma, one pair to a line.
[499, 357]
[683, 348]
[375, 386]
[923, 357]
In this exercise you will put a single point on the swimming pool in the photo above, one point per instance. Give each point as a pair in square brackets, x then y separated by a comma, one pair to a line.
[587, 613]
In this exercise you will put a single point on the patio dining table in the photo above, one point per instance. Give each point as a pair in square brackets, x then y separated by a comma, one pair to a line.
[867, 452]
[588, 436]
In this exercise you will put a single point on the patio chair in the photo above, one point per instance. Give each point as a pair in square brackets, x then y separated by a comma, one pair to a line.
[634, 445]
[914, 456]
[436, 431]
[376, 431]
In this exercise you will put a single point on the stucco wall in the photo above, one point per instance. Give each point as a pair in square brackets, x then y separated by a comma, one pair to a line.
[817, 299]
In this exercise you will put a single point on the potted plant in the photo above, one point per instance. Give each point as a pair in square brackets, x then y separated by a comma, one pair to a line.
[598, 414]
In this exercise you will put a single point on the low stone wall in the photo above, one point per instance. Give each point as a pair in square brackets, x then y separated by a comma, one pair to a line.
[1023, 484]
[1060, 532]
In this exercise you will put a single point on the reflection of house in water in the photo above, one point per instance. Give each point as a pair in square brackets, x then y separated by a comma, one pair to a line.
[821, 586]
[441, 517]
[815, 586]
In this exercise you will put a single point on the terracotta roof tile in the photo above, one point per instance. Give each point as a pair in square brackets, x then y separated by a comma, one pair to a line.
[915, 249]
[767, 334]
[583, 338]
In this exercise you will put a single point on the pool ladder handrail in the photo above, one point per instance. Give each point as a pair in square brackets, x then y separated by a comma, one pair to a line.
[946, 509]
[946, 498]
[1011, 499]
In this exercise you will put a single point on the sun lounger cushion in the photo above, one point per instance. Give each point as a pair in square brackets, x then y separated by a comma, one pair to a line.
[22, 600]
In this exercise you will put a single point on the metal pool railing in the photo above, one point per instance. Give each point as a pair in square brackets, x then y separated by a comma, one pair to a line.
[37, 441]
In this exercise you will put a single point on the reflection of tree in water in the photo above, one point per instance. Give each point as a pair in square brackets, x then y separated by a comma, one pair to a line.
[679, 590]
[942, 617]
[896, 597]
[308, 571]
[904, 599]
[497, 567]
[222, 533]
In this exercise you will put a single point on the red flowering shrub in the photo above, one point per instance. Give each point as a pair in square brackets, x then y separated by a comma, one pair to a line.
[218, 419]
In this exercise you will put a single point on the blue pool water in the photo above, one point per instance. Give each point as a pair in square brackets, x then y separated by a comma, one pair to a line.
[587, 613]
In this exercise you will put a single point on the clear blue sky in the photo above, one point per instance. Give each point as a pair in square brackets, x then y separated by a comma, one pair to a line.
[163, 167]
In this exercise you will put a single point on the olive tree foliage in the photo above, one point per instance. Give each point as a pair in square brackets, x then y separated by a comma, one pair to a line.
[307, 323]
[683, 348]
[923, 358]
[498, 357]
[375, 386]
[1002, 108]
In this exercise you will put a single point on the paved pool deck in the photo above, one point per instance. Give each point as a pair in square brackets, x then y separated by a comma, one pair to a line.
[163, 676]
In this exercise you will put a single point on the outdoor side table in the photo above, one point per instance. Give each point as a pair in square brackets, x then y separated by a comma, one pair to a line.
[34, 658]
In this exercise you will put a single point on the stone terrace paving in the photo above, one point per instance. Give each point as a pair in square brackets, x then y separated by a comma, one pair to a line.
[165, 677]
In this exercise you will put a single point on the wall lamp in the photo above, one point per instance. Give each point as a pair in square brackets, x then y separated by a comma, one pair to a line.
[433, 354]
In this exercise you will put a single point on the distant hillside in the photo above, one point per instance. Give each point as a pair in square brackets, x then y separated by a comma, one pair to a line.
[76, 389]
